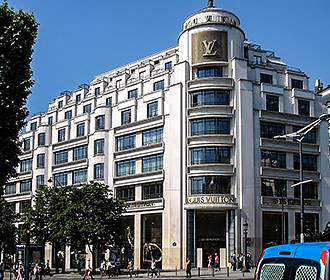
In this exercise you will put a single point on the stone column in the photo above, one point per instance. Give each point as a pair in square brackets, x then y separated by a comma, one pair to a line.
[137, 241]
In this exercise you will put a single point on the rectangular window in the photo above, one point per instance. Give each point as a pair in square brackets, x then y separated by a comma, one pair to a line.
[310, 137]
[97, 91]
[209, 155]
[61, 135]
[152, 110]
[40, 181]
[68, 115]
[99, 147]
[108, 101]
[152, 136]
[41, 161]
[80, 129]
[25, 186]
[100, 122]
[273, 159]
[142, 74]
[125, 168]
[211, 185]
[80, 153]
[272, 103]
[207, 126]
[118, 83]
[60, 104]
[99, 171]
[33, 126]
[61, 157]
[310, 191]
[50, 120]
[126, 117]
[309, 162]
[168, 66]
[80, 176]
[126, 142]
[205, 72]
[273, 187]
[27, 144]
[152, 190]
[60, 180]
[311, 224]
[24, 206]
[159, 85]
[26, 165]
[152, 163]
[125, 193]
[78, 98]
[303, 107]
[210, 97]
[41, 139]
[269, 130]
[257, 59]
[132, 93]
[299, 84]
[266, 78]
[10, 188]
[87, 108]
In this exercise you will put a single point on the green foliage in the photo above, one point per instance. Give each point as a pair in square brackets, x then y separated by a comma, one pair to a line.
[18, 31]
[7, 227]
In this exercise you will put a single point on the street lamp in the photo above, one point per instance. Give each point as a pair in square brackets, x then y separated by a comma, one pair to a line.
[299, 136]
[245, 230]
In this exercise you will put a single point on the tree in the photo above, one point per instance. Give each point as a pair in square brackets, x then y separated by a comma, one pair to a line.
[18, 31]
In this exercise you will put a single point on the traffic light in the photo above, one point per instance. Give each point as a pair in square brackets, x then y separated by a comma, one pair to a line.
[27, 236]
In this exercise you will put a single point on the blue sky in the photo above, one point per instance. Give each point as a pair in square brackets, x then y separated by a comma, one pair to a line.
[79, 39]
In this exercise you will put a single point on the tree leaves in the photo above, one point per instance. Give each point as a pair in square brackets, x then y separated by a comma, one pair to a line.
[7, 227]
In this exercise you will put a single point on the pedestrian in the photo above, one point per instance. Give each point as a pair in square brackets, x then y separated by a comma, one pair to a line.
[20, 272]
[209, 266]
[248, 261]
[233, 262]
[217, 262]
[47, 269]
[88, 272]
[130, 268]
[240, 261]
[2, 270]
[111, 268]
[188, 268]
[153, 265]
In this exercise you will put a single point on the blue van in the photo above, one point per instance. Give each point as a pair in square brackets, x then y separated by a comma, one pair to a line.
[306, 261]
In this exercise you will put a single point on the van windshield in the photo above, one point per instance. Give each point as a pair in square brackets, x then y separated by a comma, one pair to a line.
[288, 269]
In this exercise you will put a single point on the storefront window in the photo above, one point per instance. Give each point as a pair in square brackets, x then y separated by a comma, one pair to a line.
[272, 233]
[210, 185]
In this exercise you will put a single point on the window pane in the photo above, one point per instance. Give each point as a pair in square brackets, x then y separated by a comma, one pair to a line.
[80, 176]
[152, 163]
[132, 93]
[152, 190]
[209, 72]
[26, 165]
[100, 122]
[269, 130]
[61, 179]
[210, 126]
[99, 147]
[99, 171]
[126, 142]
[126, 168]
[80, 153]
[217, 155]
[272, 103]
[125, 193]
[126, 117]
[273, 187]
[159, 85]
[80, 129]
[152, 136]
[210, 97]
[211, 185]
[266, 78]
[25, 186]
[61, 157]
[41, 139]
[152, 110]
[273, 159]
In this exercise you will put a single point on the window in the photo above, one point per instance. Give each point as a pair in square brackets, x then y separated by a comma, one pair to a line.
[152, 136]
[61, 135]
[152, 110]
[24, 206]
[25, 186]
[108, 101]
[159, 85]
[210, 155]
[309, 191]
[132, 93]
[60, 104]
[303, 107]
[78, 98]
[206, 72]
[210, 185]
[41, 139]
[125, 168]
[33, 126]
[142, 74]
[156, 62]
[126, 117]
[26, 165]
[311, 224]
[299, 84]
[87, 108]
[10, 188]
[210, 126]
[50, 120]
[152, 163]
[99, 122]
[80, 129]
[310, 137]
[98, 171]
[68, 115]
[80, 153]
[309, 162]
[168, 66]
[257, 59]
[97, 91]
[27, 144]
[269, 130]
[126, 142]
[41, 161]
[266, 78]
[118, 83]
[273, 187]
[40, 181]
[60, 180]
[126, 193]
[210, 97]
[152, 190]
[80, 176]
[272, 103]
[273, 159]
[61, 157]
[99, 147]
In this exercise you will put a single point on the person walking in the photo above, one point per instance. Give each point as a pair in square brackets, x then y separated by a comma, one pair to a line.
[130, 268]
[233, 262]
[2, 270]
[209, 266]
[88, 273]
[153, 265]
[188, 268]
[217, 262]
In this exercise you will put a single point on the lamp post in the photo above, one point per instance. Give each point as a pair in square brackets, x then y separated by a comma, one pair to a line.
[245, 230]
[282, 216]
[299, 136]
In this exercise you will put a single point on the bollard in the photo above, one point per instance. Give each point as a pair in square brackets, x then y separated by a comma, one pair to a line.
[227, 271]
[212, 272]
[148, 271]
[199, 272]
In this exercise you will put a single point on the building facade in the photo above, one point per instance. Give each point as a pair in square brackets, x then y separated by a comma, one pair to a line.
[186, 137]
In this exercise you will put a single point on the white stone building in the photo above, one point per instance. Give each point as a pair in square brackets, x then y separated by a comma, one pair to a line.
[186, 137]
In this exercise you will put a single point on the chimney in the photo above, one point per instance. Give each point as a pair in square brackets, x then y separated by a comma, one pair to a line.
[318, 86]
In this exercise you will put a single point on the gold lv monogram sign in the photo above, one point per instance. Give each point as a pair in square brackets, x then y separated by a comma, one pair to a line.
[209, 48]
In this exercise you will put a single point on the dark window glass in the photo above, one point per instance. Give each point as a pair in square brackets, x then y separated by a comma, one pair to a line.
[299, 84]
[10, 188]
[125, 193]
[205, 155]
[266, 78]
[273, 187]
[108, 101]
[310, 191]
[41, 139]
[33, 126]
[168, 66]
[125, 168]
[126, 142]
[50, 120]
[310, 137]
[126, 117]
[27, 144]
[209, 72]
[99, 147]
[78, 98]
[60, 104]
[210, 185]
[99, 122]
[40, 181]
[87, 108]
[99, 171]
[97, 91]
[309, 162]
[159, 85]
[26, 165]
[210, 126]
[80, 176]
[273, 159]
[41, 161]
[25, 186]
[311, 225]
[210, 97]
[152, 163]
[80, 153]
[303, 107]
[132, 93]
[80, 129]
[152, 109]
[152, 136]
[61, 135]
[272, 103]
[152, 190]
[24, 206]
[60, 179]
[269, 130]
[68, 115]
[61, 157]
[156, 62]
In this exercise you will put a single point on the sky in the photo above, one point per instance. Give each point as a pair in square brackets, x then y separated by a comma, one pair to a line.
[80, 39]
